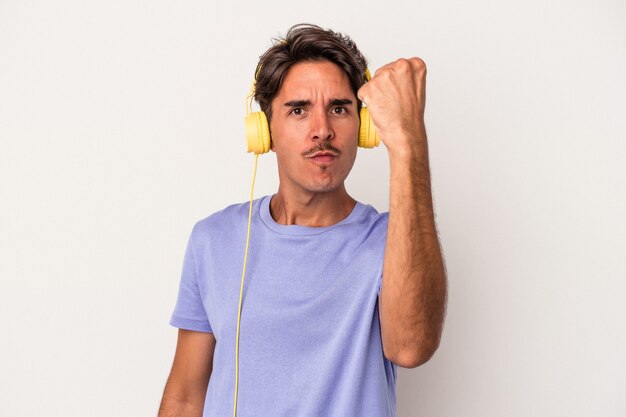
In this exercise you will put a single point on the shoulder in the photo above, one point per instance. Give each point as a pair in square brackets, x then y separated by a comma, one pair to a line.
[369, 223]
[223, 221]
[370, 216]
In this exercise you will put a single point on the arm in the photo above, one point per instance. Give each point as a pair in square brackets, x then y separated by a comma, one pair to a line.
[188, 381]
[413, 294]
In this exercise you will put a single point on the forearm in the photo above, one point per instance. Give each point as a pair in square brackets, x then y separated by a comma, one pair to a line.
[177, 409]
[177, 403]
[413, 294]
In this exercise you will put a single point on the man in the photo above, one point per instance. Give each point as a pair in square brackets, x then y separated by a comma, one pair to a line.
[337, 295]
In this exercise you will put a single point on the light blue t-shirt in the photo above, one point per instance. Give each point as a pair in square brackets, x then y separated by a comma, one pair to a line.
[310, 341]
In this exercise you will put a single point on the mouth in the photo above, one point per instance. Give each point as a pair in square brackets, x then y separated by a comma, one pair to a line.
[323, 156]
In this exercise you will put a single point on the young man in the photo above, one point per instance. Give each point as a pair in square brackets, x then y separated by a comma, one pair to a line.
[336, 294]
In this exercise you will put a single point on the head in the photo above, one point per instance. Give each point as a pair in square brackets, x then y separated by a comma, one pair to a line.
[307, 86]
[306, 42]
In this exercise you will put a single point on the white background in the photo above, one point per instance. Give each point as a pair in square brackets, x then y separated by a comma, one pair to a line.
[121, 125]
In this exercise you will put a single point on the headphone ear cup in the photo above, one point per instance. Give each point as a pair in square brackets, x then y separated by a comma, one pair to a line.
[368, 137]
[258, 133]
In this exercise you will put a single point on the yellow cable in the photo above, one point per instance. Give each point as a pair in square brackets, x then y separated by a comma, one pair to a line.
[249, 100]
[243, 274]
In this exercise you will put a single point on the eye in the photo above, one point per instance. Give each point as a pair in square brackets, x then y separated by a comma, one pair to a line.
[297, 111]
[339, 110]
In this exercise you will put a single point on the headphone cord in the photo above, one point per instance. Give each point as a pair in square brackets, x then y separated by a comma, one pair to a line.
[243, 274]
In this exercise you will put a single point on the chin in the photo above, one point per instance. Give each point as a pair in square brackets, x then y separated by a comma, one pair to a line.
[325, 186]
[314, 181]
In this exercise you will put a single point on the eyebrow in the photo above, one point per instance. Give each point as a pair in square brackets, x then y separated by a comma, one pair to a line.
[341, 101]
[304, 103]
[298, 103]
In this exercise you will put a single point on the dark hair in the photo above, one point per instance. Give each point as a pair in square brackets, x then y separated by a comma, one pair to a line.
[305, 42]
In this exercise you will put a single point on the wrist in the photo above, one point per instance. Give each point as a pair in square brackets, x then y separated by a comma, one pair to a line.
[407, 146]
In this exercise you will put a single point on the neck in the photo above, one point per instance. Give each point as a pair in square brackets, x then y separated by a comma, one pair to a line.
[311, 209]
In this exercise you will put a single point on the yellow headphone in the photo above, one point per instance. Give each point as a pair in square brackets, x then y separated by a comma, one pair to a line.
[258, 130]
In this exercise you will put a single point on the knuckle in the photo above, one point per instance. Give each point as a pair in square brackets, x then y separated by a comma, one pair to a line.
[382, 70]
[402, 64]
[383, 74]
[418, 63]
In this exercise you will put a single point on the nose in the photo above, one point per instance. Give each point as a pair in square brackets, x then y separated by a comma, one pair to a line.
[321, 128]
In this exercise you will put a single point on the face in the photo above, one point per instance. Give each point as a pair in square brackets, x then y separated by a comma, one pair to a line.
[314, 128]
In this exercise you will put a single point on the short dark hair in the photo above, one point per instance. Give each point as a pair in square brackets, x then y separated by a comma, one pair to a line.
[306, 42]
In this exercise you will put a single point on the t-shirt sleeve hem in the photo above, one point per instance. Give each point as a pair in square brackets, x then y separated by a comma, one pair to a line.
[189, 324]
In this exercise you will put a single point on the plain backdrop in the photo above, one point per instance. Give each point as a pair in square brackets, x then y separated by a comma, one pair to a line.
[121, 125]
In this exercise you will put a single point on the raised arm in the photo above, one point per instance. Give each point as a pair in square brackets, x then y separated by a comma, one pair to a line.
[413, 294]
[186, 386]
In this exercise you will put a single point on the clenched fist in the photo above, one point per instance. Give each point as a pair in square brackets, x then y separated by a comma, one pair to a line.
[395, 97]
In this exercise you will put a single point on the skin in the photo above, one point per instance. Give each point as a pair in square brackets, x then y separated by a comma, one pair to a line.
[314, 130]
[414, 289]
[314, 135]
[187, 383]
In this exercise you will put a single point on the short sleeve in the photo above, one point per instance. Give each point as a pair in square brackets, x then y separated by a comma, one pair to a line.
[189, 312]
[382, 241]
